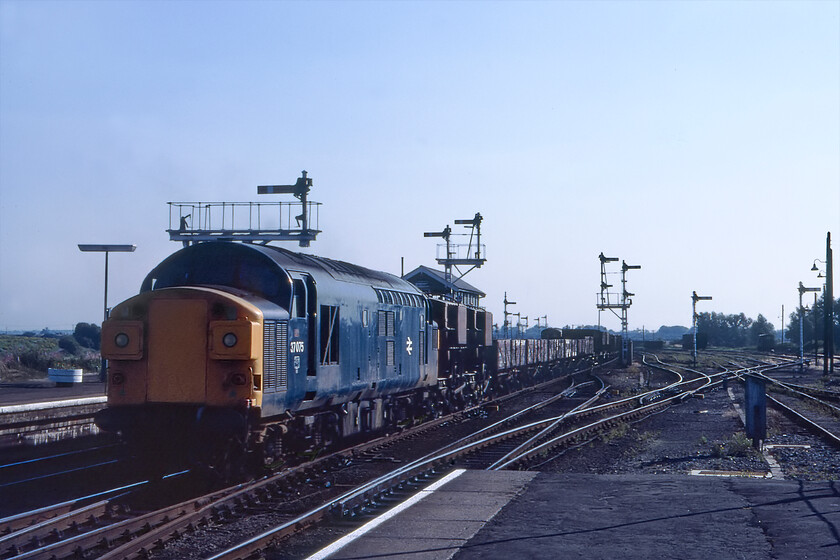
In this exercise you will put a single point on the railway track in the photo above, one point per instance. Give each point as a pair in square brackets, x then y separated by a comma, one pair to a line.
[532, 439]
[92, 527]
[108, 528]
[300, 494]
[813, 408]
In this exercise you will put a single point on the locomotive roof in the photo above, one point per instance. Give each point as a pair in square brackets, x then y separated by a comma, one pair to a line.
[340, 270]
[289, 260]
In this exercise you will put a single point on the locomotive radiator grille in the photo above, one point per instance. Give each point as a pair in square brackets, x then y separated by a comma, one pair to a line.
[275, 352]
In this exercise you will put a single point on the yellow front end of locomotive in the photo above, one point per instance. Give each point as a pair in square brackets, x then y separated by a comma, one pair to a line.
[184, 345]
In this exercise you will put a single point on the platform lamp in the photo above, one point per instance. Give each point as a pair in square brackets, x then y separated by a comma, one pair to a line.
[694, 299]
[802, 290]
[106, 249]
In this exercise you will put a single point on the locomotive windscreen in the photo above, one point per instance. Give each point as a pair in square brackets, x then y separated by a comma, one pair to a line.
[222, 264]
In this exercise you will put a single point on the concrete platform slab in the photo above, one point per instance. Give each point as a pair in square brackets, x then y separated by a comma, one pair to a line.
[528, 515]
[443, 521]
[662, 516]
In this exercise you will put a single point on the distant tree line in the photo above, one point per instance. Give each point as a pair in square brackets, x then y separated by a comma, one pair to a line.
[734, 331]
[809, 313]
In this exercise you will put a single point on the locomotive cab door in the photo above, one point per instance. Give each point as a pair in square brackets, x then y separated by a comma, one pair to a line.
[302, 326]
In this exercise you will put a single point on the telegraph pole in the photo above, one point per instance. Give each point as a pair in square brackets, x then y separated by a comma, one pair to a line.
[828, 367]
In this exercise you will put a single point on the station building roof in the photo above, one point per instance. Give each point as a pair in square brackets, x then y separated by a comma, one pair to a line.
[433, 282]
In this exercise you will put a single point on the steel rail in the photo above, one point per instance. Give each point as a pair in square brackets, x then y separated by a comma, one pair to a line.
[828, 434]
[521, 453]
[18, 540]
[546, 446]
[793, 413]
[124, 530]
[57, 456]
[512, 455]
[495, 425]
[28, 520]
[790, 388]
[639, 411]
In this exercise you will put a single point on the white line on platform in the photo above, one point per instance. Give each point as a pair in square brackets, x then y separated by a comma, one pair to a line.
[374, 523]
[51, 404]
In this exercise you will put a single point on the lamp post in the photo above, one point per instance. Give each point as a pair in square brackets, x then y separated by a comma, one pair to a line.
[820, 275]
[828, 305]
[814, 313]
[694, 299]
[802, 290]
[85, 248]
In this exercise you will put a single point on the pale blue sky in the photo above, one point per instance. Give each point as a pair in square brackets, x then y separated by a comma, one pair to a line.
[698, 139]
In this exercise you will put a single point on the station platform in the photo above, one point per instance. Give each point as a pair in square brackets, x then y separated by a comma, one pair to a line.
[481, 514]
[44, 390]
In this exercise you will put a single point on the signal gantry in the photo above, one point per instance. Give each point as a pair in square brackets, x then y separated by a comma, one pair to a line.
[249, 222]
[613, 302]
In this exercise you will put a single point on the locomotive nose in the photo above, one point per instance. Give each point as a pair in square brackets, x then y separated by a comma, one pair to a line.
[177, 351]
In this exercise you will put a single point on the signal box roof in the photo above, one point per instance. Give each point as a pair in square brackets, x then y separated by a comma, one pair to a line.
[434, 282]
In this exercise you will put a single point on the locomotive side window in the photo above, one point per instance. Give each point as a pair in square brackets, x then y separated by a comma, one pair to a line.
[329, 334]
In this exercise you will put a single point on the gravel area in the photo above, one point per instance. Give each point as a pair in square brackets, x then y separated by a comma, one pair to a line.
[701, 434]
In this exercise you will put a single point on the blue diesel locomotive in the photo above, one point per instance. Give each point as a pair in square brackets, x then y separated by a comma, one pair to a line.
[235, 349]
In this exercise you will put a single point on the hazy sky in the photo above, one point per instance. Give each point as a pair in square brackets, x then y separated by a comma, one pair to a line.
[700, 140]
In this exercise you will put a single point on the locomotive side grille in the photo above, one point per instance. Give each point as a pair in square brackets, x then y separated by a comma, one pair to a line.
[282, 354]
[390, 354]
[275, 355]
[390, 326]
[383, 325]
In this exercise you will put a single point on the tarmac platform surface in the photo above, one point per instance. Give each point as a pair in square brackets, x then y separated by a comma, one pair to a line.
[481, 514]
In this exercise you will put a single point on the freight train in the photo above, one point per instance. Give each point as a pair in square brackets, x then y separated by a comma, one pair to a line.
[236, 353]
